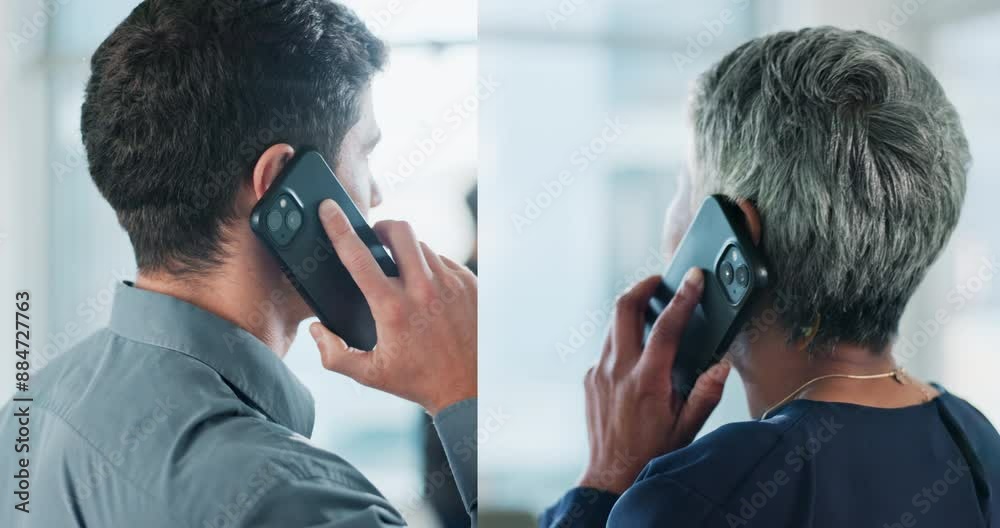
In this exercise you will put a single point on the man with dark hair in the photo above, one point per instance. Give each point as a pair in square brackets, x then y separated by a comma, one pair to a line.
[185, 96]
[181, 412]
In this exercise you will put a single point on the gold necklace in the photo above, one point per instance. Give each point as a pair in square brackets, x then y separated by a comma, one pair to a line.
[898, 374]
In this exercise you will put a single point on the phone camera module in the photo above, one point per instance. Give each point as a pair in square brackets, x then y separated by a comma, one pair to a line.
[274, 221]
[733, 272]
[284, 219]
[726, 272]
[293, 219]
[742, 275]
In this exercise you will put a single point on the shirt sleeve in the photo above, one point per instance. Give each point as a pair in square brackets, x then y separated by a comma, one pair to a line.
[345, 499]
[580, 508]
[321, 503]
[655, 501]
[456, 426]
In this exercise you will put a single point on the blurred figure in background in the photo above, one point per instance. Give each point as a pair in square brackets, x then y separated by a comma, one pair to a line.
[472, 201]
[439, 483]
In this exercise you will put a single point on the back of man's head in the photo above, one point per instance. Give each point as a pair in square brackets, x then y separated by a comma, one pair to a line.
[855, 160]
[185, 95]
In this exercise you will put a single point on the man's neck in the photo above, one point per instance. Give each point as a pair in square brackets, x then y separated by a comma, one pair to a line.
[248, 298]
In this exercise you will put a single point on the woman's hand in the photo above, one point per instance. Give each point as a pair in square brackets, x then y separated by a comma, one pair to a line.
[633, 413]
[426, 318]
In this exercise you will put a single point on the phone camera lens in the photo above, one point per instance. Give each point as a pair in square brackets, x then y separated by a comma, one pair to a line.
[742, 275]
[726, 270]
[274, 220]
[293, 219]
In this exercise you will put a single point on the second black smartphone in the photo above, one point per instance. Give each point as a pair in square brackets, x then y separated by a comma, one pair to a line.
[718, 243]
[286, 219]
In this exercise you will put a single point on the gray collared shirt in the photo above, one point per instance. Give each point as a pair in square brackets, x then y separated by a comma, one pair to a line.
[172, 416]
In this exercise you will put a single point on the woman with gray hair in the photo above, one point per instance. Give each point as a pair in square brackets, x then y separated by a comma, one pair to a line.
[849, 165]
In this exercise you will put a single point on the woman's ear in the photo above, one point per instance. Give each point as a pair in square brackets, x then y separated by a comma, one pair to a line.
[752, 219]
[269, 166]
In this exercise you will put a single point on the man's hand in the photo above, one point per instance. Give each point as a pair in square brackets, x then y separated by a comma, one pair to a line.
[425, 318]
[633, 413]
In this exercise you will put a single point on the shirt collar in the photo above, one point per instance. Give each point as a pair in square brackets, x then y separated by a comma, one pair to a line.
[242, 360]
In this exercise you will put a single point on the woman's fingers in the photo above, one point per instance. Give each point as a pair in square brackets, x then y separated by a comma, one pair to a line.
[665, 336]
[704, 398]
[626, 335]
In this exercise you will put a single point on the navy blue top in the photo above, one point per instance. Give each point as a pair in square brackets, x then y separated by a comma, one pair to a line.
[816, 464]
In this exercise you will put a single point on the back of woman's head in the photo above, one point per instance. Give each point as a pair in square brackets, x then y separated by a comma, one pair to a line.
[856, 161]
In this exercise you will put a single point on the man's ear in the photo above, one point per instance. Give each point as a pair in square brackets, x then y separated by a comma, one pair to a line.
[269, 166]
[752, 219]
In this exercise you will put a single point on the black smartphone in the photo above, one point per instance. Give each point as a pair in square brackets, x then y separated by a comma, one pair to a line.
[286, 219]
[735, 274]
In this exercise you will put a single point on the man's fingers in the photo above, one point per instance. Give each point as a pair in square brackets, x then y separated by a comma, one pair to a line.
[451, 263]
[661, 348]
[434, 260]
[701, 402]
[401, 239]
[337, 356]
[355, 255]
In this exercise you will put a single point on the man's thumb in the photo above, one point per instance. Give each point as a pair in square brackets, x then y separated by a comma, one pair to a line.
[336, 355]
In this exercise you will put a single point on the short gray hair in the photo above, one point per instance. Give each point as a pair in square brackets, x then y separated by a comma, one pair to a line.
[856, 161]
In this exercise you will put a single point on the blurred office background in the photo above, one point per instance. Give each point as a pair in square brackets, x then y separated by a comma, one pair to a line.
[573, 207]
[61, 241]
